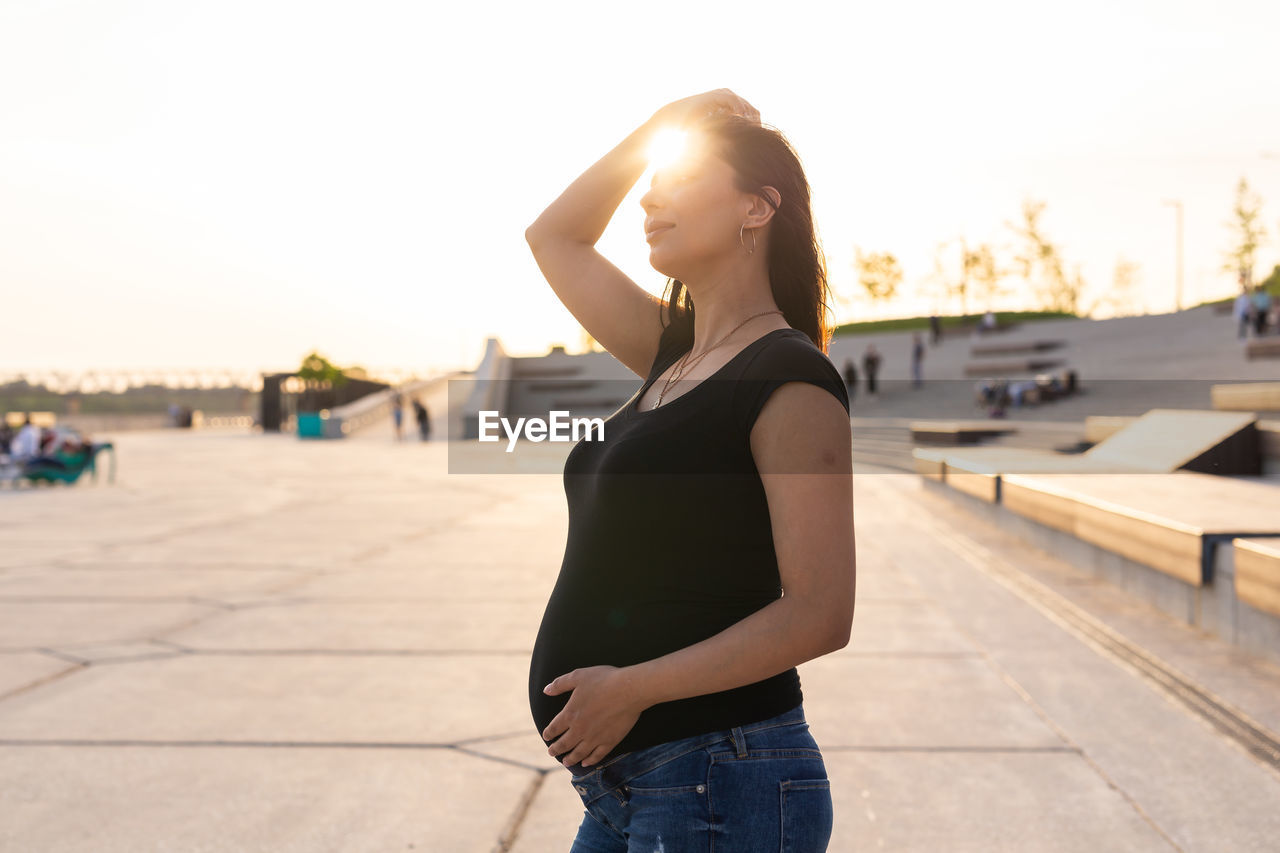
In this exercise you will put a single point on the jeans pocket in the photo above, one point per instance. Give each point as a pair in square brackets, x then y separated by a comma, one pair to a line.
[683, 774]
[807, 815]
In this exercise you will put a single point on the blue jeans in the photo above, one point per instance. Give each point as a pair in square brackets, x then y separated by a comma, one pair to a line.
[757, 787]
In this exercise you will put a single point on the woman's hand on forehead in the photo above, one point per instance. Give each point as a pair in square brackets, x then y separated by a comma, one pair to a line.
[714, 104]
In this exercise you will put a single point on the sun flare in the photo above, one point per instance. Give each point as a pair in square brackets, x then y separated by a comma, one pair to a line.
[667, 147]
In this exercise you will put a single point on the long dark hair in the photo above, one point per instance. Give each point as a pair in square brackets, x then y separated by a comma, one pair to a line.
[761, 156]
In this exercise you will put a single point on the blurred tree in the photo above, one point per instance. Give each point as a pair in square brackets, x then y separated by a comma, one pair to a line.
[879, 274]
[1247, 233]
[981, 269]
[949, 278]
[1041, 265]
[1123, 298]
[1272, 282]
[317, 368]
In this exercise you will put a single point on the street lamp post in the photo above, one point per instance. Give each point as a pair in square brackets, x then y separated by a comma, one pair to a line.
[1177, 204]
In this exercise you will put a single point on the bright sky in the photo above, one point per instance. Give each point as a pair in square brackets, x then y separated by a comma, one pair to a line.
[231, 184]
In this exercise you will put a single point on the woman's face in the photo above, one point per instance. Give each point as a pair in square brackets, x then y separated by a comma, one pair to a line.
[693, 211]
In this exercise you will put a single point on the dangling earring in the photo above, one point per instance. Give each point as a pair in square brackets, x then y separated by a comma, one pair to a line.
[744, 242]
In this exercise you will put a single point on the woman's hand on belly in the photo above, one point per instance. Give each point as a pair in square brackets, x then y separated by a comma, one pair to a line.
[601, 710]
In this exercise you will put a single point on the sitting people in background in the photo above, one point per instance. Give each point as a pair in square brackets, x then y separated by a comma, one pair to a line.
[1023, 392]
[993, 394]
[27, 443]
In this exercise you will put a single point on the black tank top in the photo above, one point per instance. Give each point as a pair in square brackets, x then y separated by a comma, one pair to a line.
[669, 539]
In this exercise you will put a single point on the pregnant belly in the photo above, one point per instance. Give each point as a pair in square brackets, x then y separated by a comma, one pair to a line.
[619, 634]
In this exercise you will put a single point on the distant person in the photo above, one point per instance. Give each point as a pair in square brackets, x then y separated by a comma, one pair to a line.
[1261, 309]
[989, 320]
[1243, 312]
[27, 444]
[850, 378]
[424, 419]
[397, 415]
[935, 329]
[871, 366]
[6, 437]
[917, 360]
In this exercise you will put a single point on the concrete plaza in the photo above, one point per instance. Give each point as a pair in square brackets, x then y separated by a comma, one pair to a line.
[259, 643]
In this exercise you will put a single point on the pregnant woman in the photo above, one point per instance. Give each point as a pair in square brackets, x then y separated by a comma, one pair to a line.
[710, 547]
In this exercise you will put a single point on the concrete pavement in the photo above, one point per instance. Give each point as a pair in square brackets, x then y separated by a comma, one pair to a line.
[260, 643]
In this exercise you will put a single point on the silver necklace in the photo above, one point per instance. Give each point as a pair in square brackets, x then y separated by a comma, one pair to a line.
[682, 367]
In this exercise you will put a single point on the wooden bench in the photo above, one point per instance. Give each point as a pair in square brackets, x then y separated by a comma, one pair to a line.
[1262, 348]
[978, 471]
[1257, 568]
[1246, 396]
[930, 463]
[1170, 522]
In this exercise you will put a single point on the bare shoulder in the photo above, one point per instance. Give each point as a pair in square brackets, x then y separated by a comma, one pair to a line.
[802, 429]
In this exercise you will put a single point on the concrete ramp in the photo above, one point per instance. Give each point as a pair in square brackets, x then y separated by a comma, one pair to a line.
[1165, 440]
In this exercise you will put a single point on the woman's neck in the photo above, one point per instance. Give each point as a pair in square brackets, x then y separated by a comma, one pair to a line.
[725, 302]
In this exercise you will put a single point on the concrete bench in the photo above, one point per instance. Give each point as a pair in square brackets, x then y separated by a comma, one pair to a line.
[999, 328]
[1169, 522]
[1013, 366]
[1024, 348]
[1262, 348]
[1257, 568]
[1246, 396]
[956, 432]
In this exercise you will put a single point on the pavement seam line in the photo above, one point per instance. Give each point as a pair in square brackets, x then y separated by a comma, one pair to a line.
[511, 832]
[76, 666]
[249, 744]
